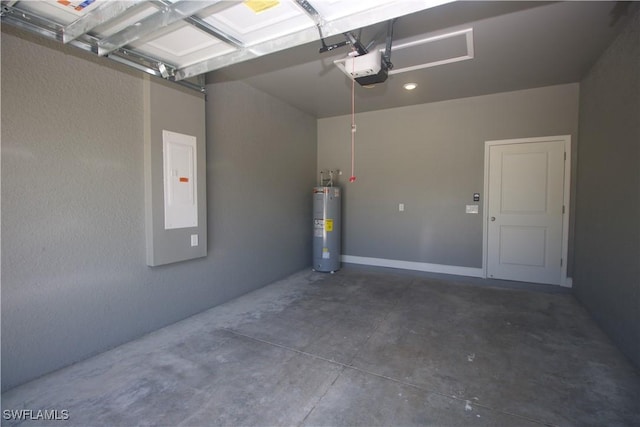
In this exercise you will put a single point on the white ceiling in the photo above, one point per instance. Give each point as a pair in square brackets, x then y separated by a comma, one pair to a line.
[517, 45]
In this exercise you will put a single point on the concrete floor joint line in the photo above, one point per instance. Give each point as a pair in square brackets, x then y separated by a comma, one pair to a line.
[385, 377]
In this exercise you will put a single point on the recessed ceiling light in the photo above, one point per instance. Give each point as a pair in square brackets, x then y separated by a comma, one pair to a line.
[410, 86]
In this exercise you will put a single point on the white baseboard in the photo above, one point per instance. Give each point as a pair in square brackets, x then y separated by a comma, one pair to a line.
[417, 266]
[568, 282]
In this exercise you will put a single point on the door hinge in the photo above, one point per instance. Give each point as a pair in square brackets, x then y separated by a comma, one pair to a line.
[565, 156]
[560, 262]
[562, 208]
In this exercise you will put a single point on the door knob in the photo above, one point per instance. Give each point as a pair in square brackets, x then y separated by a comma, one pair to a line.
[493, 218]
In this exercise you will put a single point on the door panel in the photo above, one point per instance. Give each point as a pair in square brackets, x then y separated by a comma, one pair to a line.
[526, 191]
[532, 254]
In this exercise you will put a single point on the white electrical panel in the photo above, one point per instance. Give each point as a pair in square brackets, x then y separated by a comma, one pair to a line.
[180, 184]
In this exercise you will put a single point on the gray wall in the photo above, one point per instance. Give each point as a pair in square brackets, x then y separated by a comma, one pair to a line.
[74, 276]
[185, 115]
[261, 156]
[431, 158]
[607, 255]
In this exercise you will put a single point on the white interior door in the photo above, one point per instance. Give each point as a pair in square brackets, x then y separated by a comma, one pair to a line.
[525, 210]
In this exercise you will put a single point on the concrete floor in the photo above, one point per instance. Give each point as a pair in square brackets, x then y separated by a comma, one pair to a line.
[361, 347]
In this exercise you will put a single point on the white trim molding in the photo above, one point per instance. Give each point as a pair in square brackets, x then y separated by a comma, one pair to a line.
[412, 265]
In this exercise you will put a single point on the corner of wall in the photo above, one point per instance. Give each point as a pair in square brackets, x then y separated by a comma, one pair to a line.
[607, 232]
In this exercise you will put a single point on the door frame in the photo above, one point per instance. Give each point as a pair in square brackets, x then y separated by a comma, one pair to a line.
[564, 280]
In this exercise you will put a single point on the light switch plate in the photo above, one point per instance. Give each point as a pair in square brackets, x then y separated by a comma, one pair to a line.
[194, 240]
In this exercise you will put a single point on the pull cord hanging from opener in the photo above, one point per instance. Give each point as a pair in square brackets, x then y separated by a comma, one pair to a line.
[353, 124]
